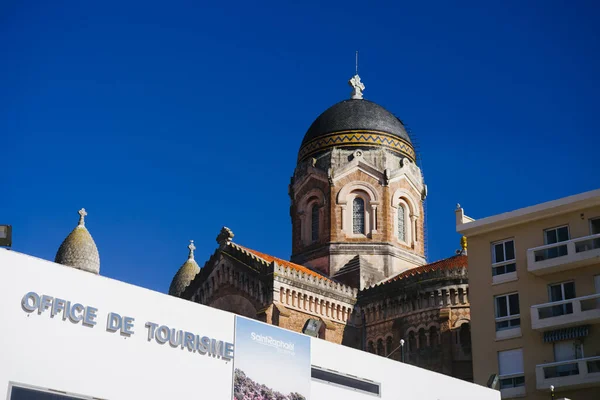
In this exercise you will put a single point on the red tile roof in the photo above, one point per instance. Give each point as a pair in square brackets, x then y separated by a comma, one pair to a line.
[457, 261]
[284, 263]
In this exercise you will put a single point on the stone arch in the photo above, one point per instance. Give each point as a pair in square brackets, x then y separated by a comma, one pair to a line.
[342, 197]
[371, 347]
[314, 327]
[345, 200]
[314, 198]
[403, 200]
[464, 336]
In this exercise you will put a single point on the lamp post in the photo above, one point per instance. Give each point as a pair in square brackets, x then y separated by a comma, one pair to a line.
[402, 349]
[552, 391]
[399, 347]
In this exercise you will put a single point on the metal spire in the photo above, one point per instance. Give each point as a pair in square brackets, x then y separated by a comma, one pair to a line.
[356, 84]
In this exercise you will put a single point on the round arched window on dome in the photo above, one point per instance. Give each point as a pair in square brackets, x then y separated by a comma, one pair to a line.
[314, 215]
[401, 223]
[358, 216]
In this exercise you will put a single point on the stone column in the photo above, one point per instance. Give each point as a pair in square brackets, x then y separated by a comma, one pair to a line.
[413, 229]
[374, 219]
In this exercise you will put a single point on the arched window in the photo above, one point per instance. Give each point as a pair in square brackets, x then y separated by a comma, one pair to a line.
[412, 341]
[371, 347]
[358, 215]
[465, 337]
[314, 220]
[422, 339]
[388, 346]
[433, 337]
[401, 223]
[380, 347]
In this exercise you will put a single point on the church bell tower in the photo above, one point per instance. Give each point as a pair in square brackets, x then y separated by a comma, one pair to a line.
[357, 195]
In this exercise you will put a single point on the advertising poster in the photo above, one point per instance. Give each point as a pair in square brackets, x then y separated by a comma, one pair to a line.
[270, 363]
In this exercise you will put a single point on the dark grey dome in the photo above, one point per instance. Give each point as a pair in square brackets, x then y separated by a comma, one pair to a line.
[356, 114]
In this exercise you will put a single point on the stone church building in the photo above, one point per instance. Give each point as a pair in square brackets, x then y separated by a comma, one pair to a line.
[358, 275]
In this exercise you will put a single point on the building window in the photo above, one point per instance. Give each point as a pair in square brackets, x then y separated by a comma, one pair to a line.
[412, 341]
[23, 393]
[510, 368]
[358, 216]
[464, 337]
[388, 346]
[556, 235]
[559, 292]
[401, 223]
[371, 347]
[503, 257]
[433, 337]
[422, 339]
[507, 311]
[314, 215]
[380, 350]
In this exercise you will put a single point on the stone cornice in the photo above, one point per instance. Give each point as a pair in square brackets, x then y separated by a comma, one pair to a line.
[311, 282]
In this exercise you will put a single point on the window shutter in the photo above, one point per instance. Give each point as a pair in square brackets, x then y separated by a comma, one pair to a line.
[510, 362]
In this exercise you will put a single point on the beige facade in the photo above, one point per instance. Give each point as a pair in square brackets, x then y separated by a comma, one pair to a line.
[519, 262]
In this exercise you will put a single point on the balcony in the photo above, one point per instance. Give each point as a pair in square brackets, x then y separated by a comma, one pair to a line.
[560, 314]
[583, 372]
[564, 256]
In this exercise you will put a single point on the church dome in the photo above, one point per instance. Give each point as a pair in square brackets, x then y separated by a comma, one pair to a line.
[186, 273]
[356, 123]
[79, 250]
[356, 114]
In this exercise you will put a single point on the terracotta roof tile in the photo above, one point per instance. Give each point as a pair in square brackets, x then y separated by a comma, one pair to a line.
[457, 261]
[284, 263]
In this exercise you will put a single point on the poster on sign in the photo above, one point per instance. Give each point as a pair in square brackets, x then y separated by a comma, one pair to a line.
[270, 363]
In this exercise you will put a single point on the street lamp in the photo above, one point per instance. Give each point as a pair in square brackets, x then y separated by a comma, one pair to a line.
[399, 347]
[402, 349]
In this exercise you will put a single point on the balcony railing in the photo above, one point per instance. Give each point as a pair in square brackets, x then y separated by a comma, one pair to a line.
[571, 373]
[563, 256]
[565, 313]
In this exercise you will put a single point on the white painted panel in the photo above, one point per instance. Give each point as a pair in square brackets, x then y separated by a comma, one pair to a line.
[52, 353]
[397, 380]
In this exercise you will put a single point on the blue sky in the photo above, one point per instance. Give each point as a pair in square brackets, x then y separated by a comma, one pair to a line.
[167, 121]
[279, 370]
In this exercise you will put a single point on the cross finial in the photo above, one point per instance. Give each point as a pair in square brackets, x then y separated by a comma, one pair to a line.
[357, 87]
[82, 215]
[192, 248]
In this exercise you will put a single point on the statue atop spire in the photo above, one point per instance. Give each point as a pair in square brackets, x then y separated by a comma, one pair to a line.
[82, 215]
[357, 87]
[192, 248]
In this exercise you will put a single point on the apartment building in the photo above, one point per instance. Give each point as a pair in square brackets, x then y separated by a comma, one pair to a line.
[534, 283]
